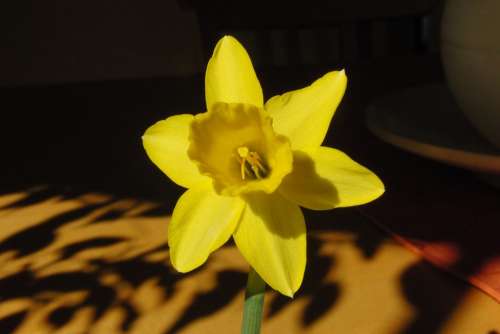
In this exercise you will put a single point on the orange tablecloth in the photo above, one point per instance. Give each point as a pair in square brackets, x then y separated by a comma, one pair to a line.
[94, 263]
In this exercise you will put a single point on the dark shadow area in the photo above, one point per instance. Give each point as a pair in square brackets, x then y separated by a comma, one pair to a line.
[41, 235]
[348, 220]
[321, 295]
[324, 299]
[88, 136]
[26, 284]
[76, 247]
[229, 284]
[304, 179]
[433, 294]
[11, 322]
[32, 196]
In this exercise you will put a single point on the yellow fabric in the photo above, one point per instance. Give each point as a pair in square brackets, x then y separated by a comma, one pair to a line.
[272, 237]
[325, 178]
[216, 137]
[230, 76]
[304, 115]
[202, 221]
[166, 143]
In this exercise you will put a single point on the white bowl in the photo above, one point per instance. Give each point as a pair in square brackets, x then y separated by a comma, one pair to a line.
[470, 50]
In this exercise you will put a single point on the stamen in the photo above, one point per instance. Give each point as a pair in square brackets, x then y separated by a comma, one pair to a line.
[251, 164]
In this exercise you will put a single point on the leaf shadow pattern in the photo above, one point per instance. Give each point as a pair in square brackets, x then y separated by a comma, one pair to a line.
[349, 220]
[33, 196]
[321, 292]
[38, 194]
[9, 323]
[43, 234]
[100, 277]
[229, 284]
[322, 295]
[422, 283]
[113, 266]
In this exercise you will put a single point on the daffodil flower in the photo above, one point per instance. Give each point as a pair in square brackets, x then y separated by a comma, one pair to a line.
[248, 166]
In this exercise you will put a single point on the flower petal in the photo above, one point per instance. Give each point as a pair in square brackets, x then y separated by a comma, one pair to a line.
[272, 237]
[230, 76]
[202, 221]
[325, 178]
[166, 143]
[304, 115]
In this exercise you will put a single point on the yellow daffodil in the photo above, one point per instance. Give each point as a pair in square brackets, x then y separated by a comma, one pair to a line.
[248, 166]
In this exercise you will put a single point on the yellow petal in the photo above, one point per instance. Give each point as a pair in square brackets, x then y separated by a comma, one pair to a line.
[304, 115]
[325, 178]
[272, 237]
[202, 221]
[230, 76]
[166, 143]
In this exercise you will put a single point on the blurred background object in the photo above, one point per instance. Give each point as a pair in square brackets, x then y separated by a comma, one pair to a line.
[321, 32]
[101, 40]
[470, 48]
[433, 126]
[458, 121]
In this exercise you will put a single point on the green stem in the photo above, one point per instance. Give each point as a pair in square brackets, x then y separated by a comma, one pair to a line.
[254, 301]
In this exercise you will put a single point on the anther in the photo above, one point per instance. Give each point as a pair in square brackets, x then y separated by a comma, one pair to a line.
[250, 164]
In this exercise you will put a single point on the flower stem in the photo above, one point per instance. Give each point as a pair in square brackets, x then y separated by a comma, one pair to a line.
[254, 301]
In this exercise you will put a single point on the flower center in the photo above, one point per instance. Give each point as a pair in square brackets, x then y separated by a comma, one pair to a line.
[251, 164]
[236, 146]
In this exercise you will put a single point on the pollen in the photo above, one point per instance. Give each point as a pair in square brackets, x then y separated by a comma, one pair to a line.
[251, 164]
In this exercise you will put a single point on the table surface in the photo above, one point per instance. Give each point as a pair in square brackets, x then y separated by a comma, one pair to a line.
[84, 215]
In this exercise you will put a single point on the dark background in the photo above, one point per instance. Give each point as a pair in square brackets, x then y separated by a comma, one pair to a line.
[80, 81]
[60, 41]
